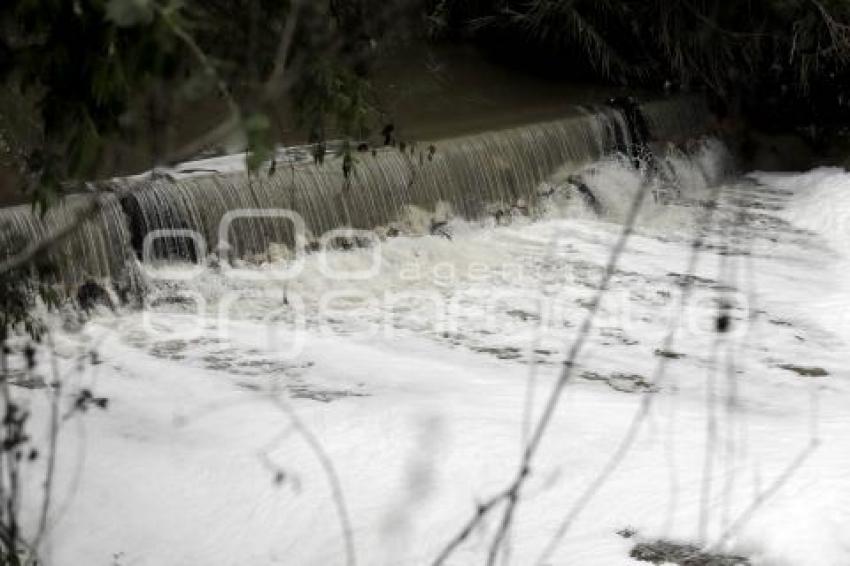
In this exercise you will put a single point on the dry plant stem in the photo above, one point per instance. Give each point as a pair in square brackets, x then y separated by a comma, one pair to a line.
[57, 236]
[729, 277]
[710, 445]
[511, 495]
[329, 470]
[567, 371]
[630, 436]
[39, 247]
[794, 465]
[5, 541]
[764, 496]
[278, 82]
[275, 85]
[531, 384]
[202, 58]
[10, 466]
[481, 511]
[839, 33]
[55, 390]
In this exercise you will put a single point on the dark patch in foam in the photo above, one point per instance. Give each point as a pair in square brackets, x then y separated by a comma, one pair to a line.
[804, 371]
[666, 552]
[622, 382]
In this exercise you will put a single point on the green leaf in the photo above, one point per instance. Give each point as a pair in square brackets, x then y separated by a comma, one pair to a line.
[257, 130]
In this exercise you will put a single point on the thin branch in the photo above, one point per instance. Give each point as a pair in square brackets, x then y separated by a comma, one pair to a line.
[839, 33]
[55, 389]
[482, 509]
[512, 492]
[36, 249]
[659, 376]
[772, 490]
[334, 483]
[569, 365]
[275, 85]
[202, 58]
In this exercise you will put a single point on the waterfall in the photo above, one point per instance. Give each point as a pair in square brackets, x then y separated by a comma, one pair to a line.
[98, 249]
[467, 173]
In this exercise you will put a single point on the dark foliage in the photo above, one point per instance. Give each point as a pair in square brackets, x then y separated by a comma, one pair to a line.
[91, 71]
[77, 75]
[768, 58]
[82, 63]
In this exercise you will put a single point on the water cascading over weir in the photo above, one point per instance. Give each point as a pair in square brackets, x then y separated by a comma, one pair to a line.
[469, 173]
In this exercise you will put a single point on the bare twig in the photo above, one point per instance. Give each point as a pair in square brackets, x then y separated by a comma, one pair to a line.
[274, 85]
[481, 510]
[202, 58]
[772, 490]
[549, 410]
[710, 444]
[10, 478]
[334, 483]
[630, 436]
[512, 493]
[55, 389]
[839, 33]
[39, 247]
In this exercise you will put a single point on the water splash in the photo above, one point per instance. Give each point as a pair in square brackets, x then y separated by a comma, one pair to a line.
[469, 175]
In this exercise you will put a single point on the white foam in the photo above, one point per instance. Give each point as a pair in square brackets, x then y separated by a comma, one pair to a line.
[820, 202]
[181, 468]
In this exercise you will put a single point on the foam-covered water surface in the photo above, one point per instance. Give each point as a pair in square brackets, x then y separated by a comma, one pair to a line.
[415, 363]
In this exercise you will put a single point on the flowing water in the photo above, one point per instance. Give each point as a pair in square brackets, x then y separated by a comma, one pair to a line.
[416, 365]
[97, 249]
[470, 175]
